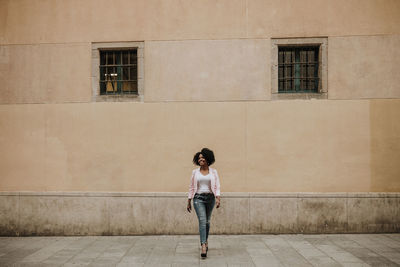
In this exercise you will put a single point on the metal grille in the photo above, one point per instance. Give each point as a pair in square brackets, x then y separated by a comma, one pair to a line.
[118, 72]
[298, 69]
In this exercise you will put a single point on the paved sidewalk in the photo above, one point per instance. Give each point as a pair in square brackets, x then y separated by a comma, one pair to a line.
[224, 250]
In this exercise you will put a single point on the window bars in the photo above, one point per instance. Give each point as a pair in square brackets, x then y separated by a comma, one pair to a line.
[118, 72]
[298, 69]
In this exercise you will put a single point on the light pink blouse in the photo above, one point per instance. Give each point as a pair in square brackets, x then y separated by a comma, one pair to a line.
[215, 186]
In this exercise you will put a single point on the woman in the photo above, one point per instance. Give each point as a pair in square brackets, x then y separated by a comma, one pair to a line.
[205, 191]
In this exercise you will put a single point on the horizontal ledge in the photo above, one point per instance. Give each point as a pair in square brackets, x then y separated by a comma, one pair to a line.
[224, 195]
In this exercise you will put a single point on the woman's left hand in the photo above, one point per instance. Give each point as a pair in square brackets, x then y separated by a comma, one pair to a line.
[218, 202]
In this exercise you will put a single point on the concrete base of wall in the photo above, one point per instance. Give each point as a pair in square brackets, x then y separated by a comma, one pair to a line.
[89, 213]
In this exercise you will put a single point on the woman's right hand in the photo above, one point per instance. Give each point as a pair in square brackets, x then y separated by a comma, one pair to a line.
[189, 206]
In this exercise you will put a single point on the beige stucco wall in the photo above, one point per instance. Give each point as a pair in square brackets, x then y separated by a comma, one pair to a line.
[207, 70]
[304, 145]
[45, 73]
[99, 21]
[198, 70]
[385, 144]
[207, 83]
[208, 51]
[364, 67]
[94, 20]
[322, 18]
[299, 145]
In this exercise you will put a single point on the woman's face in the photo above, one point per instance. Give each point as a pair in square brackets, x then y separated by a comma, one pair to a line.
[202, 161]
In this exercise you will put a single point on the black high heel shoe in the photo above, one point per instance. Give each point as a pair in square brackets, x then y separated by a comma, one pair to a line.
[204, 255]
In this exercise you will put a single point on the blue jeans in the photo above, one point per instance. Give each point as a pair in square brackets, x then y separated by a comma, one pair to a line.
[204, 204]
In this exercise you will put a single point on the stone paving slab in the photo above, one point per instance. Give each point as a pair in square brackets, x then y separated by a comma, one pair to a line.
[184, 250]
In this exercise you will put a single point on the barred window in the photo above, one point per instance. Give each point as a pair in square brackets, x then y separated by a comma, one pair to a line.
[118, 72]
[298, 69]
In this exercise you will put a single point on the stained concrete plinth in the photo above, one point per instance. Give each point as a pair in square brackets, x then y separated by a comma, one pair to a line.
[84, 213]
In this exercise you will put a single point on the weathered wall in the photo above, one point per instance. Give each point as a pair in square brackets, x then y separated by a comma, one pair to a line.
[88, 213]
